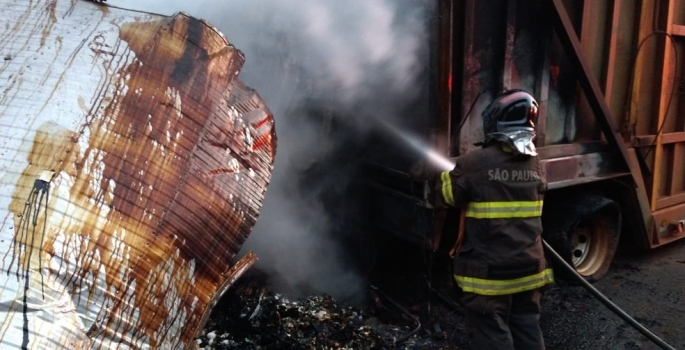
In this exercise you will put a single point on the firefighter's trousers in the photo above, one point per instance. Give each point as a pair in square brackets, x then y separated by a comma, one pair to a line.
[504, 322]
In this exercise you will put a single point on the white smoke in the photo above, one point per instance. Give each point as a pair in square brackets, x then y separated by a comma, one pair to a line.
[354, 57]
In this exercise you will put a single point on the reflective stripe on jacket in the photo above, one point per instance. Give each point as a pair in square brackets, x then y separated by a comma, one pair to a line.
[503, 210]
[503, 196]
[500, 287]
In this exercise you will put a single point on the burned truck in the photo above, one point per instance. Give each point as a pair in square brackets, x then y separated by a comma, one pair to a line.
[133, 165]
[611, 131]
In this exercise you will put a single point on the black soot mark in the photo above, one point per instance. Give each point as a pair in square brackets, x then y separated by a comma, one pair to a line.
[28, 225]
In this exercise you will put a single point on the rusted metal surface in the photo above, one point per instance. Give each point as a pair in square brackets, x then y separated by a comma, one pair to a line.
[133, 164]
[609, 84]
[470, 84]
[666, 138]
[238, 269]
[509, 65]
[604, 77]
[656, 113]
[678, 30]
[663, 220]
[639, 207]
[612, 54]
[571, 149]
[586, 78]
[580, 169]
[445, 76]
[662, 111]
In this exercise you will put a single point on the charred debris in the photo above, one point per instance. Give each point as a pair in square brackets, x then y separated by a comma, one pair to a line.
[252, 316]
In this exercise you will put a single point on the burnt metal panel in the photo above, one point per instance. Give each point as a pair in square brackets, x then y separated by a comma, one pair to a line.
[574, 170]
[133, 165]
[571, 149]
[482, 50]
[446, 33]
[664, 222]
[569, 39]
[398, 203]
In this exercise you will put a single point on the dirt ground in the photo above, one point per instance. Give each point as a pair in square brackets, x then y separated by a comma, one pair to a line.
[649, 286]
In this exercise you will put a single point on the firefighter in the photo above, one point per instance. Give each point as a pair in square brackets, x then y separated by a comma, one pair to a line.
[499, 263]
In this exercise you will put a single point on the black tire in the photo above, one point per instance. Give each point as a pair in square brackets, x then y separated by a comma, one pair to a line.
[587, 239]
[592, 245]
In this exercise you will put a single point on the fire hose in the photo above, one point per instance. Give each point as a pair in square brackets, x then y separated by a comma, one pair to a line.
[443, 162]
[596, 293]
[604, 300]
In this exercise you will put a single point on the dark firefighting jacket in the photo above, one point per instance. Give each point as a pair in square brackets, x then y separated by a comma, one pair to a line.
[502, 195]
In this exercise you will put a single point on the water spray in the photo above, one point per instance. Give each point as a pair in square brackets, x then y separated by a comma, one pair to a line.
[434, 157]
[444, 164]
[431, 155]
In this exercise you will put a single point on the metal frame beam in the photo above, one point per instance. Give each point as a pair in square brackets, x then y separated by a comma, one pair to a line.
[593, 92]
[613, 47]
[667, 74]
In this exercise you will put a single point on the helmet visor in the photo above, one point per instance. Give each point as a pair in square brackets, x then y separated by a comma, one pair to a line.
[521, 114]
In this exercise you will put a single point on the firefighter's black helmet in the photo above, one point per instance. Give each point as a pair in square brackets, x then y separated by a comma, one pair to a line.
[511, 111]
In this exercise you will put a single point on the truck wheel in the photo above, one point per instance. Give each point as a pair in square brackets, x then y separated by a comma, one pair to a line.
[584, 230]
[592, 245]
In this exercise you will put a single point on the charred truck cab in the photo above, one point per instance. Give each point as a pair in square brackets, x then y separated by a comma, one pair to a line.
[611, 129]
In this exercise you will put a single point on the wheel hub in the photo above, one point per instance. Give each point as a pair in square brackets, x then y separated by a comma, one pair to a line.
[580, 246]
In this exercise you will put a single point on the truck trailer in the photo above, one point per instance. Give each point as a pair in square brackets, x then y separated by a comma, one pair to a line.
[608, 75]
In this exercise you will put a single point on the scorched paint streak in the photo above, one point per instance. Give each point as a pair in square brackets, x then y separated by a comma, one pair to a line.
[120, 220]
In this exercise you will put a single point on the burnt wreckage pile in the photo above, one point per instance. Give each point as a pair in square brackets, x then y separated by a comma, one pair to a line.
[269, 321]
[251, 316]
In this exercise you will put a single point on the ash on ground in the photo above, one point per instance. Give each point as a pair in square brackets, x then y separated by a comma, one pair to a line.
[251, 316]
[648, 286]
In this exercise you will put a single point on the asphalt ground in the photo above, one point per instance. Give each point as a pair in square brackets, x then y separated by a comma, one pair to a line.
[649, 286]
